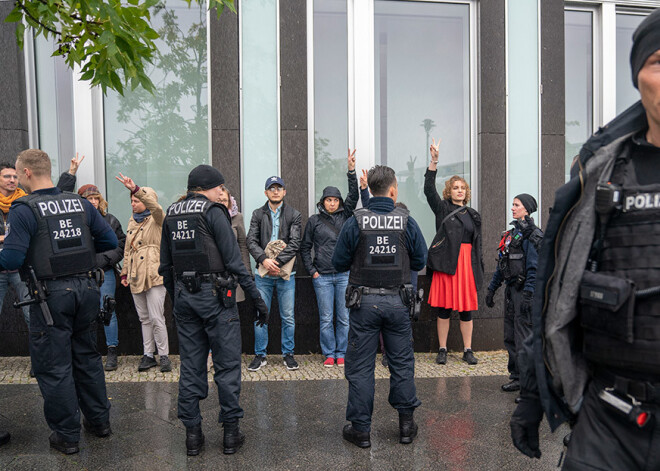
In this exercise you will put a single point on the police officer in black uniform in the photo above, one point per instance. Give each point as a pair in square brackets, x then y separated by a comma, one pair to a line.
[516, 267]
[380, 245]
[201, 265]
[594, 356]
[53, 239]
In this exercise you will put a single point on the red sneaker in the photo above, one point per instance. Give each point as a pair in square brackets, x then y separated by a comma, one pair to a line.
[340, 362]
[329, 362]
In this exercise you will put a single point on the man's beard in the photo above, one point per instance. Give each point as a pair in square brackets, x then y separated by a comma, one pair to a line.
[275, 202]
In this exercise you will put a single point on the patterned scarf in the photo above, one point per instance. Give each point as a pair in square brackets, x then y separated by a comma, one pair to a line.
[6, 201]
[234, 207]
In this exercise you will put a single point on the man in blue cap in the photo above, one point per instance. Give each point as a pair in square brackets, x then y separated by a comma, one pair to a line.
[275, 221]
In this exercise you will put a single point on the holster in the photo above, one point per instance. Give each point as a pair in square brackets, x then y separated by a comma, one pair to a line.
[105, 313]
[226, 288]
[353, 297]
[191, 281]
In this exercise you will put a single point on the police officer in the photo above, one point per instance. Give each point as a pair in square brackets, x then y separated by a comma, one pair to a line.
[53, 239]
[516, 267]
[380, 245]
[595, 349]
[200, 262]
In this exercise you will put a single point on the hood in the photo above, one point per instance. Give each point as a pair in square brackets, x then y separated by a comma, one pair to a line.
[327, 192]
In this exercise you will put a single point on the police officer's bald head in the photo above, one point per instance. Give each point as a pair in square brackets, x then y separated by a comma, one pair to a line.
[36, 160]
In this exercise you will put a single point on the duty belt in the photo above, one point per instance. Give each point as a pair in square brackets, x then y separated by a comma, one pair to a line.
[643, 391]
[379, 291]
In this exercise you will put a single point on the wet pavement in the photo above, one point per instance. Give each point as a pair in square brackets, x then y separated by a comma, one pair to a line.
[288, 424]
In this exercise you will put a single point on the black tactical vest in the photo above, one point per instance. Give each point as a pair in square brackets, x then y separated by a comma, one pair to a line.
[191, 239]
[381, 259]
[631, 250]
[63, 244]
[512, 257]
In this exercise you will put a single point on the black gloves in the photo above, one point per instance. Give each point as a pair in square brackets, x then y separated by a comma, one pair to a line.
[525, 423]
[489, 298]
[527, 227]
[526, 303]
[262, 311]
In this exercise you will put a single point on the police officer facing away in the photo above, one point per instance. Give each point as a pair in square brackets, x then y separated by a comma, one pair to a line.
[516, 267]
[201, 263]
[595, 348]
[54, 236]
[380, 245]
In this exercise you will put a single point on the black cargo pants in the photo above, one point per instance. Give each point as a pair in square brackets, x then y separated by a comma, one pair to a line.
[202, 322]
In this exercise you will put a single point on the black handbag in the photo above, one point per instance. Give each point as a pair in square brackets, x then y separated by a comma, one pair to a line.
[433, 261]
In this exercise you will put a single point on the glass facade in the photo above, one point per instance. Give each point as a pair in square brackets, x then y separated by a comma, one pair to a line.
[626, 93]
[156, 139]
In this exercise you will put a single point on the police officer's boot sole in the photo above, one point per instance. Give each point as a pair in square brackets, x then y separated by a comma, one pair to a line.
[101, 431]
[407, 430]
[59, 444]
[359, 439]
[194, 441]
[232, 442]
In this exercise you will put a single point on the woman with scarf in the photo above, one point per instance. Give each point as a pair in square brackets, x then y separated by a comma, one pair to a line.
[107, 261]
[238, 226]
[140, 272]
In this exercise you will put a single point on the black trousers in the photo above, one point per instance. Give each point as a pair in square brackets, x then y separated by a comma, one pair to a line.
[202, 322]
[67, 365]
[603, 440]
[517, 326]
[388, 315]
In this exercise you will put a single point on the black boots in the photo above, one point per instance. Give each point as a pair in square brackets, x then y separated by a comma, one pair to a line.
[59, 443]
[407, 428]
[233, 438]
[111, 360]
[511, 386]
[194, 439]
[101, 430]
[357, 438]
[4, 437]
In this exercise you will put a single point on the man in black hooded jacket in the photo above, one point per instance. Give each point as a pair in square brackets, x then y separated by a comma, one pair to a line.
[321, 233]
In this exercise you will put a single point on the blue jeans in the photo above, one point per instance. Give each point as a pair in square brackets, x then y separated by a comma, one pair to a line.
[108, 288]
[330, 295]
[286, 295]
[13, 279]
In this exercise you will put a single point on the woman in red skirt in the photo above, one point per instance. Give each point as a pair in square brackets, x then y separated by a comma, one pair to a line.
[455, 286]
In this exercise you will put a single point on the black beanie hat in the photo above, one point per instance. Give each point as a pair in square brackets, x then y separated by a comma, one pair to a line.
[528, 202]
[204, 177]
[646, 40]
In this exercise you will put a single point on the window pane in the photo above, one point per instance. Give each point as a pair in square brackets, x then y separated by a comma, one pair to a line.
[330, 95]
[259, 129]
[579, 81]
[157, 139]
[422, 90]
[626, 94]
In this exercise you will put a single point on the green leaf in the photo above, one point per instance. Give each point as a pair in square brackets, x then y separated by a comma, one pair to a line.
[20, 34]
[116, 82]
[15, 15]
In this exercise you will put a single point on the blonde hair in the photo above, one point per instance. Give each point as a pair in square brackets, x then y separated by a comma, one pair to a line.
[103, 204]
[446, 193]
[36, 160]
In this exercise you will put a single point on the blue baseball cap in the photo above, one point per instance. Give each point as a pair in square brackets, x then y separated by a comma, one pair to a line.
[274, 180]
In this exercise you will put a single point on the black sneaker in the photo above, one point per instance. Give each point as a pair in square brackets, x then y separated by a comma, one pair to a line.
[165, 364]
[469, 358]
[360, 439]
[58, 442]
[441, 359]
[384, 360]
[290, 362]
[257, 363]
[147, 362]
[111, 360]
[101, 431]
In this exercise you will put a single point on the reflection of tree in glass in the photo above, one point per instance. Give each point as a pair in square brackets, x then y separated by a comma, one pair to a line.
[427, 124]
[172, 120]
[329, 170]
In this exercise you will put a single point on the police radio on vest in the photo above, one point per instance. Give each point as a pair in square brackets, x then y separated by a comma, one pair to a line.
[53, 208]
[382, 222]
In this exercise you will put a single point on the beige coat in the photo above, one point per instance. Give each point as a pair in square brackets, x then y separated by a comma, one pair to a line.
[142, 250]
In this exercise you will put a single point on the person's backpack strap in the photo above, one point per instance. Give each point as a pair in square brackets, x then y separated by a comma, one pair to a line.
[329, 224]
[451, 214]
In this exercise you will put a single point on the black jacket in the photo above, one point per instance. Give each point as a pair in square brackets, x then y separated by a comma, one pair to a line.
[261, 228]
[321, 236]
[454, 231]
[108, 259]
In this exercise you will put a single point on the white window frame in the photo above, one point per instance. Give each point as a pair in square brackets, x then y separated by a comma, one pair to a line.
[361, 88]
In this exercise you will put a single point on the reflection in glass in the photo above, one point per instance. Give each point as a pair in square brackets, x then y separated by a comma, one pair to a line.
[579, 81]
[422, 90]
[331, 96]
[157, 139]
[626, 94]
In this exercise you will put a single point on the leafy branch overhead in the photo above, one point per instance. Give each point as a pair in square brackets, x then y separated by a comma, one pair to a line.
[109, 40]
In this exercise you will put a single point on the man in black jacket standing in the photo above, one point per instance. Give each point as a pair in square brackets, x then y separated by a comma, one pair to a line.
[274, 221]
[321, 233]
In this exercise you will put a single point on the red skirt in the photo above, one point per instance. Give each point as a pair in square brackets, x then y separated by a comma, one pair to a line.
[458, 291]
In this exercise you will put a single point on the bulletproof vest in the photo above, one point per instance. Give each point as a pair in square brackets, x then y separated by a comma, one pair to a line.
[191, 239]
[512, 256]
[63, 244]
[381, 259]
[631, 250]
